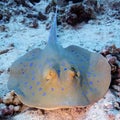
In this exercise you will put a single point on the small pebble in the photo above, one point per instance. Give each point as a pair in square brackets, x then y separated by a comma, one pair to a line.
[11, 107]
[1, 71]
[48, 26]
[117, 105]
[113, 70]
[12, 45]
[108, 105]
[17, 108]
[3, 28]
[34, 24]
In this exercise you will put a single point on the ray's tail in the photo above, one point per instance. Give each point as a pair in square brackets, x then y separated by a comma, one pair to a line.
[53, 34]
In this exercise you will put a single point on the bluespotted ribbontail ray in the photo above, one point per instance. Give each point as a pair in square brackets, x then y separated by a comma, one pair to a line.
[58, 77]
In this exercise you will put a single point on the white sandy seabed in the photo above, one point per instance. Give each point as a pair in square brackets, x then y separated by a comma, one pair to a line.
[94, 36]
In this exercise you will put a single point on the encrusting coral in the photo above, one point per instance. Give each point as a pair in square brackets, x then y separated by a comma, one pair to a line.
[9, 105]
[112, 53]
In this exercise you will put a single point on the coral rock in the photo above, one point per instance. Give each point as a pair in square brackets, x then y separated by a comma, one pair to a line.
[72, 19]
[9, 97]
[113, 70]
[6, 112]
[7, 100]
[16, 101]
[78, 13]
[105, 52]
[112, 60]
[41, 16]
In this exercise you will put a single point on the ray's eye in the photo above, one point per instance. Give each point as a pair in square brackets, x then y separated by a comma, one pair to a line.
[50, 75]
[76, 74]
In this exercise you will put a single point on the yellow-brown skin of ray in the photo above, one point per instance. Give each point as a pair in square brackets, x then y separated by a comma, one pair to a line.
[51, 80]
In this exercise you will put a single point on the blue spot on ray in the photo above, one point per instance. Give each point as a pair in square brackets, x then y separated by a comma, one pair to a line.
[86, 93]
[91, 83]
[65, 69]
[23, 73]
[31, 64]
[40, 89]
[30, 87]
[62, 89]
[52, 89]
[85, 82]
[63, 63]
[83, 67]
[72, 50]
[94, 75]
[58, 71]
[33, 78]
[88, 75]
[25, 83]
[38, 83]
[93, 89]
[83, 94]
[44, 94]
[81, 71]
[33, 94]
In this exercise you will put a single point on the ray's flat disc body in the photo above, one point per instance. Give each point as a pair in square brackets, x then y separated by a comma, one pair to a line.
[27, 77]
